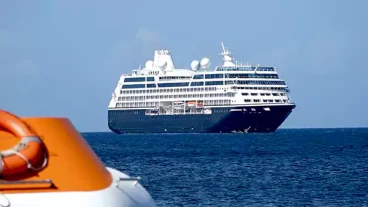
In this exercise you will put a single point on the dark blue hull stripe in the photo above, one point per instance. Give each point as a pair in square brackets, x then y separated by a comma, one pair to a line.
[246, 119]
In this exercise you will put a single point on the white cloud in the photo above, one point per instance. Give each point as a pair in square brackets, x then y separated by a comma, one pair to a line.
[150, 39]
[125, 54]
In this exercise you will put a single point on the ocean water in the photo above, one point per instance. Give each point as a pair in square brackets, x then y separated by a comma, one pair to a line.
[292, 167]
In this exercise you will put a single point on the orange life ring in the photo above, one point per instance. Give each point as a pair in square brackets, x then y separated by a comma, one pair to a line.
[27, 154]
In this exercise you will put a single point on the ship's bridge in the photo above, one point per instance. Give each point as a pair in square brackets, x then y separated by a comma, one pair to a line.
[244, 68]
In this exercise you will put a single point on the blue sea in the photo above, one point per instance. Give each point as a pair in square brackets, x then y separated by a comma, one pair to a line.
[292, 167]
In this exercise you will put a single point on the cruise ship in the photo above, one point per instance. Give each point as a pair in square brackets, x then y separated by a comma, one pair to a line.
[230, 98]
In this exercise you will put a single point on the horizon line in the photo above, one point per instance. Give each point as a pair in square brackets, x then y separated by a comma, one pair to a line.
[284, 128]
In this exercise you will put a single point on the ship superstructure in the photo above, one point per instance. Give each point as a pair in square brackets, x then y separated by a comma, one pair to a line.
[232, 97]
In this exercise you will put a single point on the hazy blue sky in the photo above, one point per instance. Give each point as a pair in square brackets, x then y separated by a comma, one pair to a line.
[63, 58]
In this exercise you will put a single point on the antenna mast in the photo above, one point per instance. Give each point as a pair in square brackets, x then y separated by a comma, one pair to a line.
[226, 56]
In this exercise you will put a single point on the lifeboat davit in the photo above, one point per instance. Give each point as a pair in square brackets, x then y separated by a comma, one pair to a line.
[46, 162]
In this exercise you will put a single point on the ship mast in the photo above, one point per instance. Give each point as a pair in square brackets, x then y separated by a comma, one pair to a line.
[227, 58]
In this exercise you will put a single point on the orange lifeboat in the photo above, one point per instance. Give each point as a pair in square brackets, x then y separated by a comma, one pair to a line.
[27, 154]
[192, 103]
[53, 165]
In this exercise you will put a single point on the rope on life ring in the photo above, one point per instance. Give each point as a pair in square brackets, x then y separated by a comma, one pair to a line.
[27, 154]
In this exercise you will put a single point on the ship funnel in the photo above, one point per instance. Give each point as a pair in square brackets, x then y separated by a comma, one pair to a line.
[163, 60]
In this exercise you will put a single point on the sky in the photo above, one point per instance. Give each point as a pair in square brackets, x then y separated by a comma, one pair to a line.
[64, 58]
